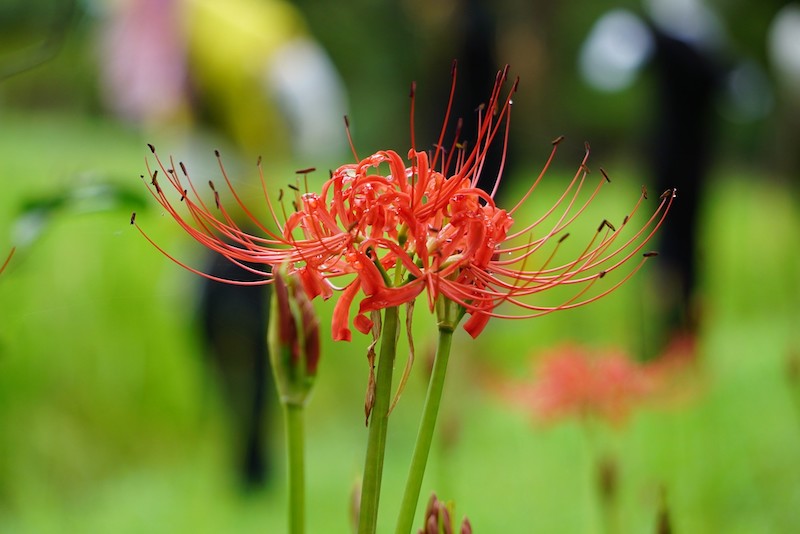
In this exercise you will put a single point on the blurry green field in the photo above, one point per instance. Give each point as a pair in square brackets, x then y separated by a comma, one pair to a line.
[109, 421]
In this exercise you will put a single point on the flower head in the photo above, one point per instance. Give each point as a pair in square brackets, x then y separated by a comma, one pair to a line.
[573, 382]
[391, 228]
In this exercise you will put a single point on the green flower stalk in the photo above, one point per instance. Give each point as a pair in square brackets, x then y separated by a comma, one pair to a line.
[294, 353]
[386, 230]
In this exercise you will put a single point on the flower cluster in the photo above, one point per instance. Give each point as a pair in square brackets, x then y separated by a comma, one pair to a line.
[389, 229]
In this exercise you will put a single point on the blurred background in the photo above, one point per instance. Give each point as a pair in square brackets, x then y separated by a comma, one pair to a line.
[121, 409]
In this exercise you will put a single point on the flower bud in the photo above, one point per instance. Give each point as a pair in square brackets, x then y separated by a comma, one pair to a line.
[293, 339]
[439, 518]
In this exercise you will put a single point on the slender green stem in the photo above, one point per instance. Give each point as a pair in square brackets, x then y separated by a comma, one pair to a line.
[425, 436]
[378, 422]
[295, 443]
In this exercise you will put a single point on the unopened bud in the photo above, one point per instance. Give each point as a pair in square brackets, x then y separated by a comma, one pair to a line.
[293, 339]
[439, 518]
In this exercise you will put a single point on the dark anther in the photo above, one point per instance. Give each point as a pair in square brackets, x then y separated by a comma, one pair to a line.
[306, 171]
[216, 199]
[625, 220]
[183, 168]
[603, 172]
[258, 161]
[133, 218]
[280, 195]
[152, 148]
[184, 194]
[607, 224]
[293, 187]
[650, 254]
[346, 121]
[601, 274]
[562, 238]
[216, 152]
[211, 185]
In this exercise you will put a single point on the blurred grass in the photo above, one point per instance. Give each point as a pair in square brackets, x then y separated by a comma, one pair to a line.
[109, 422]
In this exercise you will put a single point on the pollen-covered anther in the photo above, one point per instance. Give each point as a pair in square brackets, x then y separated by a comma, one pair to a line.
[557, 140]
[669, 193]
[644, 192]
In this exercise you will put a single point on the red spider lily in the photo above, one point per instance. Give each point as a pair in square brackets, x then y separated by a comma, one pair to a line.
[573, 382]
[395, 228]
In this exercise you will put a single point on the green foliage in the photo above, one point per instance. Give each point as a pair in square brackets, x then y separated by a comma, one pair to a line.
[109, 421]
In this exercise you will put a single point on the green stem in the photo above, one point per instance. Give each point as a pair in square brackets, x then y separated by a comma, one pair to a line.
[425, 436]
[378, 422]
[295, 441]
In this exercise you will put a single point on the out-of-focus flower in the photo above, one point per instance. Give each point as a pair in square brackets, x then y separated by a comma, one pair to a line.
[144, 70]
[293, 340]
[392, 229]
[573, 382]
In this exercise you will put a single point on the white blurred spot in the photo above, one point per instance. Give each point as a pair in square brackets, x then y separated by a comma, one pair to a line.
[749, 92]
[617, 46]
[784, 45]
[311, 94]
[688, 20]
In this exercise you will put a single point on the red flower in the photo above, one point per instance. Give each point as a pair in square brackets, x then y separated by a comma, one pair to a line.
[573, 382]
[394, 229]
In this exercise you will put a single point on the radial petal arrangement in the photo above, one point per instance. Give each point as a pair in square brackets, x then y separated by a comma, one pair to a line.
[383, 230]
